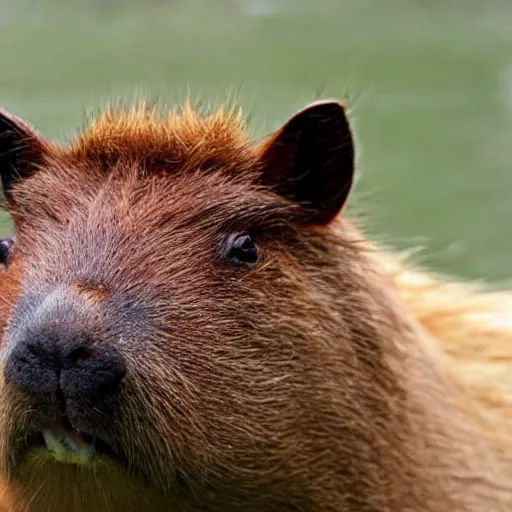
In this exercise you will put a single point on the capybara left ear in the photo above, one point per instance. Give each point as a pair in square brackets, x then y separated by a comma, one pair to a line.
[310, 160]
[21, 151]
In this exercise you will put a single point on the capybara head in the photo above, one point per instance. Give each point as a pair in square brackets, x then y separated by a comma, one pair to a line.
[197, 328]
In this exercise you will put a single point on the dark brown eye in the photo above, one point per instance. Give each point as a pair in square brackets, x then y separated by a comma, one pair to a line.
[241, 249]
[5, 248]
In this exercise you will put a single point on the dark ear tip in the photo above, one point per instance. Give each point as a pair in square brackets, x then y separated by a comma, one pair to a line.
[21, 150]
[8, 120]
[326, 107]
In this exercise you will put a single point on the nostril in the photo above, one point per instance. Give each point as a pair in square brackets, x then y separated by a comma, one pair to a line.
[92, 376]
[80, 353]
[35, 349]
[29, 368]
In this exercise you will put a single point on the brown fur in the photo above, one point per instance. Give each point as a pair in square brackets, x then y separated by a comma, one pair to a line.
[9, 286]
[93, 293]
[305, 383]
[8, 502]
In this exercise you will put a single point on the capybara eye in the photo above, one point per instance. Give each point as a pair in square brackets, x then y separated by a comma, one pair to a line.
[241, 249]
[5, 249]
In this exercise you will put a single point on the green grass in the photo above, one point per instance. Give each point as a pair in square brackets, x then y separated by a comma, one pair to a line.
[429, 83]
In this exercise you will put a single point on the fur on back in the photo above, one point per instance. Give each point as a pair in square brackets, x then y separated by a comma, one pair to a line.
[472, 332]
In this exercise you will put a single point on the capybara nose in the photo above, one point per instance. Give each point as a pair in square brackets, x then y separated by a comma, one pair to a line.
[77, 371]
[51, 356]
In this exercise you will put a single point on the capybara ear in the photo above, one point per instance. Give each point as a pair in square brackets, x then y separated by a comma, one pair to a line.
[21, 151]
[310, 160]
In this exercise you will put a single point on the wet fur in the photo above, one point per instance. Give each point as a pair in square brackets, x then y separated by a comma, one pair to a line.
[338, 399]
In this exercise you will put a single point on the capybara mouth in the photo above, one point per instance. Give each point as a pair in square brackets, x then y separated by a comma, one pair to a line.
[68, 445]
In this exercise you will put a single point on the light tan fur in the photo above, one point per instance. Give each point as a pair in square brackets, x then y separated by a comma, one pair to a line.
[472, 328]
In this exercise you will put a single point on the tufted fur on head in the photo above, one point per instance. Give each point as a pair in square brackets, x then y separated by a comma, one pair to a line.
[296, 380]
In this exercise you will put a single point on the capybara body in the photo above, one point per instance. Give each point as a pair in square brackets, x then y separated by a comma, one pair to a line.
[472, 327]
[199, 328]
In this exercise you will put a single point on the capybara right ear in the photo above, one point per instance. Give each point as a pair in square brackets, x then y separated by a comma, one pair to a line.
[310, 160]
[21, 151]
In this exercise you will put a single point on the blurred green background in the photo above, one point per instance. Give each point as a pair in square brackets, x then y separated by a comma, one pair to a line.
[429, 84]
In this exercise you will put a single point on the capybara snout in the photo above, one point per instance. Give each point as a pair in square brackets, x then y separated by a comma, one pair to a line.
[65, 362]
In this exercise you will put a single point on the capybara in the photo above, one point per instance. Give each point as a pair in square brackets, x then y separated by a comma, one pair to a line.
[199, 327]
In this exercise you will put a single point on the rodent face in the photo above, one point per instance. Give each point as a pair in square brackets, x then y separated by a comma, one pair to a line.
[164, 324]
[173, 296]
